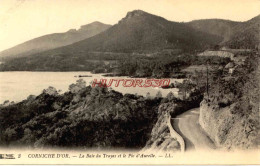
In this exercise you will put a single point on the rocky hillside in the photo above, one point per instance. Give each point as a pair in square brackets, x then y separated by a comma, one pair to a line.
[162, 140]
[230, 115]
[55, 40]
[84, 117]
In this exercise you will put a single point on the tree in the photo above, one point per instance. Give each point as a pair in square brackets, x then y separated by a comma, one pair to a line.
[185, 87]
[51, 91]
[75, 88]
[148, 95]
[159, 94]
[170, 96]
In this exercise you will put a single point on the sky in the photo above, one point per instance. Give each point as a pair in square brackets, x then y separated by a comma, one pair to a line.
[22, 20]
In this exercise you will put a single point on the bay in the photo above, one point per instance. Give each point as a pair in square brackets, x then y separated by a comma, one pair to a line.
[17, 86]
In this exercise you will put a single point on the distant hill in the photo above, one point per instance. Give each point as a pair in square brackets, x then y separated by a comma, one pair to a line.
[55, 40]
[246, 35]
[219, 27]
[234, 34]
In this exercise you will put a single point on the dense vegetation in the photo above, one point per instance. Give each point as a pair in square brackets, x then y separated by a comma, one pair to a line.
[165, 65]
[85, 117]
[231, 88]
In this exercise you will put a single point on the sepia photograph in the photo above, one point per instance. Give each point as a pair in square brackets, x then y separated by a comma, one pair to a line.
[129, 82]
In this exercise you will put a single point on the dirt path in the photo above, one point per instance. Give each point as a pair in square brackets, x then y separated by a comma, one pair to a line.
[187, 125]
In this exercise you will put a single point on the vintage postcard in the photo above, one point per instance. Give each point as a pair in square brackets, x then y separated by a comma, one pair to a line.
[129, 82]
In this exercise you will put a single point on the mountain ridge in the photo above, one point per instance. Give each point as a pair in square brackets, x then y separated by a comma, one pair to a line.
[136, 25]
[218, 27]
[235, 34]
[54, 40]
[246, 35]
[138, 32]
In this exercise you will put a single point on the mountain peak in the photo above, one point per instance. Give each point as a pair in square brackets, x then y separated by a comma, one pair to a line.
[135, 13]
[52, 41]
[93, 25]
[96, 23]
[132, 15]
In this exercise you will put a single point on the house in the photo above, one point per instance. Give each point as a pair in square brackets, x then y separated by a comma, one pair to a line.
[231, 70]
[230, 67]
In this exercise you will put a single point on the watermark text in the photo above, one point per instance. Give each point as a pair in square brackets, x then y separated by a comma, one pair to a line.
[145, 83]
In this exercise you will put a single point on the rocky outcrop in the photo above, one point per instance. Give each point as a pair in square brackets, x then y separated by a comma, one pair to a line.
[227, 129]
[84, 117]
[163, 137]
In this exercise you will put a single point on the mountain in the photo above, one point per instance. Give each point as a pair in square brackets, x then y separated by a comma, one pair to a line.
[143, 33]
[246, 35]
[219, 27]
[234, 34]
[55, 40]
[140, 31]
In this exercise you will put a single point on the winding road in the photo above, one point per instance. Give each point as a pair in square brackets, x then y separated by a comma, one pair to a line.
[187, 125]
